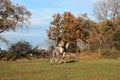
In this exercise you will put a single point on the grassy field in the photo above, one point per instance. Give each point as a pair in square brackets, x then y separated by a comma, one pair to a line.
[41, 70]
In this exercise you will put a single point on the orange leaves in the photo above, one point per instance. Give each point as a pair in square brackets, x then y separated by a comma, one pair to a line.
[69, 27]
[69, 20]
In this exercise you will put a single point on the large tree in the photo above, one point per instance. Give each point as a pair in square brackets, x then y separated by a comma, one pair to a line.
[69, 27]
[12, 16]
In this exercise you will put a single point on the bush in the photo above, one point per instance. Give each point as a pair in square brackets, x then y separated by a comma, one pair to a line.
[40, 53]
[18, 50]
[110, 54]
[2, 54]
[116, 39]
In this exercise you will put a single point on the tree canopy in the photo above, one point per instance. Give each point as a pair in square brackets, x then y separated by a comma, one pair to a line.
[12, 16]
[69, 27]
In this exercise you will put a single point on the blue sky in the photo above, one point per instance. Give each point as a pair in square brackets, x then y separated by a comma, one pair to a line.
[42, 11]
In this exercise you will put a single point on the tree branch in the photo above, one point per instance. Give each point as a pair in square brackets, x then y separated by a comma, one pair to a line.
[1, 31]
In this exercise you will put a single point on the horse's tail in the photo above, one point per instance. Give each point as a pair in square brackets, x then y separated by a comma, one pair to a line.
[67, 45]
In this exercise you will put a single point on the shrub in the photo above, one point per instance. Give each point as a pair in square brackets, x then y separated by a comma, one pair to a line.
[40, 53]
[116, 39]
[110, 54]
[18, 50]
[2, 54]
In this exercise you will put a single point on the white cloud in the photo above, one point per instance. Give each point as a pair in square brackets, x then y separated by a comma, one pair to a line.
[18, 34]
[41, 17]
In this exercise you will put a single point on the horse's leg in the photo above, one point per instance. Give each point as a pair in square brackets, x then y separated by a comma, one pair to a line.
[53, 57]
[56, 60]
[63, 58]
[51, 60]
[56, 56]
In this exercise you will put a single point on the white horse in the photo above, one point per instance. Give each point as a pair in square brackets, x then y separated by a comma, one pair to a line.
[57, 52]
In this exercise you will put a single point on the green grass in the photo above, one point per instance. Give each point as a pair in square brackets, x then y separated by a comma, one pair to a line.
[106, 69]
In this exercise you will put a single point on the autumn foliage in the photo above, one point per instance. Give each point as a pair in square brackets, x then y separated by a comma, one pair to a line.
[99, 36]
[12, 16]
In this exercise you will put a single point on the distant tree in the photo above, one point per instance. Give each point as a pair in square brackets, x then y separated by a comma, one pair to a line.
[12, 16]
[107, 12]
[106, 9]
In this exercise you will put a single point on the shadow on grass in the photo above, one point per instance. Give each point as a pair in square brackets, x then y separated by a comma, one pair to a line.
[68, 62]
[73, 61]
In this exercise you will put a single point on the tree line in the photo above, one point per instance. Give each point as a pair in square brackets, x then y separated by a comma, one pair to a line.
[84, 35]
[102, 35]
